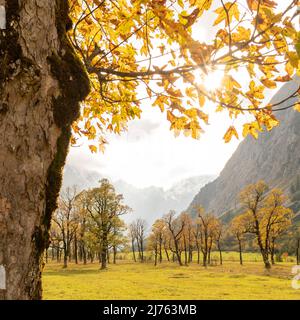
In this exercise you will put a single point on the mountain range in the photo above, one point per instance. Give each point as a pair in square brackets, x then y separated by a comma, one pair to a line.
[273, 157]
[147, 203]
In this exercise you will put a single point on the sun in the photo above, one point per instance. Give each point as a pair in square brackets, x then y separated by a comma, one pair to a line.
[212, 80]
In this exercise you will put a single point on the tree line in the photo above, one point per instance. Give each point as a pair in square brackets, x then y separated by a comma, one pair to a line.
[263, 220]
[88, 225]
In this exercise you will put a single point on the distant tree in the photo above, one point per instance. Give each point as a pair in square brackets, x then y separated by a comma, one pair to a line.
[92, 242]
[266, 215]
[197, 238]
[105, 207]
[239, 228]
[294, 240]
[66, 218]
[167, 242]
[277, 230]
[175, 228]
[158, 229]
[152, 245]
[139, 234]
[218, 234]
[82, 203]
[132, 235]
[207, 224]
[155, 240]
[117, 239]
[186, 239]
[55, 242]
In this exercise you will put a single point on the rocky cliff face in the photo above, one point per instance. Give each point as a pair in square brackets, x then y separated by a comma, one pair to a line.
[274, 157]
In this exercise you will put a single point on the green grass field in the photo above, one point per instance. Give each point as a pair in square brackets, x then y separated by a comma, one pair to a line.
[128, 280]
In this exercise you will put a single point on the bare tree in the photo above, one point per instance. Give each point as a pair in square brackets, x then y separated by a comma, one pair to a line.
[197, 238]
[139, 234]
[175, 227]
[132, 235]
[207, 223]
[66, 218]
[218, 236]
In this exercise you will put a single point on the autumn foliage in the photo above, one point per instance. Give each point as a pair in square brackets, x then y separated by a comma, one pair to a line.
[151, 51]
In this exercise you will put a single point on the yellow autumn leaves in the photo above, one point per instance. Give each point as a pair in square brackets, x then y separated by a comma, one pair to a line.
[226, 13]
[263, 119]
[230, 133]
[145, 53]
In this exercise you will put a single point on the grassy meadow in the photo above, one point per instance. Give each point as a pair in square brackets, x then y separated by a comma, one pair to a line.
[129, 280]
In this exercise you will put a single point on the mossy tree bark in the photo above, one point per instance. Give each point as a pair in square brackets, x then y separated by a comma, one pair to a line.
[41, 84]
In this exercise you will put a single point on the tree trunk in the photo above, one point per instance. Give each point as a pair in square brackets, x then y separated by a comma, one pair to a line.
[84, 254]
[69, 251]
[178, 254]
[65, 261]
[240, 251]
[190, 254]
[263, 250]
[65, 248]
[198, 254]
[107, 255]
[265, 256]
[204, 249]
[220, 253]
[41, 84]
[272, 257]
[104, 249]
[139, 249]
[75, 250]
[52, 253]
[297, 251]
[185, 252]
[115, 254]
[167, 253]
[57, 254]
[133, 251]
[142, 250]
[80, 253]
[160, 251]
[272, 252]
[92, 257]
[205, 259]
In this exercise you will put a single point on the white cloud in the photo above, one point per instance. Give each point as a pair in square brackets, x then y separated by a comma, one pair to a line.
[149, 154]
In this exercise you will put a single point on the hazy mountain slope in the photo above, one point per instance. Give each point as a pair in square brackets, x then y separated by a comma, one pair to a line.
[148, 203]
[84, 179]
[274, 157]
[152, 202]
